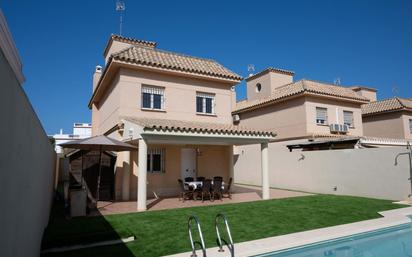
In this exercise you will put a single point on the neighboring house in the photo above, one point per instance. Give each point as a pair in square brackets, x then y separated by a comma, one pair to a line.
[301, 110]
[80, 131]
[177, 109]
[390, 118]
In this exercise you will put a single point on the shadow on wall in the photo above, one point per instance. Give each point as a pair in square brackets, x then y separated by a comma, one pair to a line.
[64, 232]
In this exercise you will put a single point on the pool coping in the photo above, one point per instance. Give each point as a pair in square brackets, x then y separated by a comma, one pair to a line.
[278, 243]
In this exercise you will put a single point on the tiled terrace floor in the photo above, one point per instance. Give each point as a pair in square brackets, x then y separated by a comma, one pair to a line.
[240, 194]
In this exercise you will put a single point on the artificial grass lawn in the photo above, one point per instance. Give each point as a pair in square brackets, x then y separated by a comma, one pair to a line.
[165, 232]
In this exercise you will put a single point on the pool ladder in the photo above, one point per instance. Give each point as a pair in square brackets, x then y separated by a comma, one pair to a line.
[193, 243]
[229, 243]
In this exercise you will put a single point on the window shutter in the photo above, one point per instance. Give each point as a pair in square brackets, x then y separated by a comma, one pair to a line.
[153, 97]
[348, 118]
[205, 102]
[321, 115]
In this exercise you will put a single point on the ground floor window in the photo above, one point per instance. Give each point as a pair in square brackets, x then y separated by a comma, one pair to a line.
[156, 160]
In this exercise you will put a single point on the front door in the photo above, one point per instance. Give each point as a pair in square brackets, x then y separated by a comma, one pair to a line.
[188, 163]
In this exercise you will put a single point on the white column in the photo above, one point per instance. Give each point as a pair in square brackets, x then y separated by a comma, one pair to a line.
[142, 176]
[231, 170]
[126, 176]
[265, 170]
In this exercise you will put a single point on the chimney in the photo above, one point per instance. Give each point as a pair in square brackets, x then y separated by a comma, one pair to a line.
[61, 131]
[96, 76]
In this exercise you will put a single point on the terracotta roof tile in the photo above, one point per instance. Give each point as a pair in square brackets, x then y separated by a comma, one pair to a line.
[168, 60]
[386, 105]
[299, 87]
[270, 69]
[133, 40]
[192, 126]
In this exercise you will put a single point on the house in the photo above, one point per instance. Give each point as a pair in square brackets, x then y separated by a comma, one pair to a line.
[178, 110]
[301, 110]
[389, 118]
[80, 131]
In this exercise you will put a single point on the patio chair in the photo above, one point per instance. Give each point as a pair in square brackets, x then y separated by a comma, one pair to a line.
[217, 178]
[206, 188]
[226, 190]
[217, 189]
[200, 179]
[189, 179]
[185, 193]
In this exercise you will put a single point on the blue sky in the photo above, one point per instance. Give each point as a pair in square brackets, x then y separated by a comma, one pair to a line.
[60, 42]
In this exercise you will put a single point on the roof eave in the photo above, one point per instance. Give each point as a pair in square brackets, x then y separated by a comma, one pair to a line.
[299, 94]
[233, 79]
[267, 70]
[387, 111]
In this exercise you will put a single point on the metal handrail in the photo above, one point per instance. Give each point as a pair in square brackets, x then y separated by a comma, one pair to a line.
[230, 244]
[192, 242]
[409, 153]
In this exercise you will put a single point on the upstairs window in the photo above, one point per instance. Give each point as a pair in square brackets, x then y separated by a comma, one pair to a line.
[410, 126]
[156, 160]
[152, 98]
[205, 103]
[348, 118]
[321, 116]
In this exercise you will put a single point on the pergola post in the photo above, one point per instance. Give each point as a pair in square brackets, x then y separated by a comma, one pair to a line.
[142, 176]
[265, 170]
[126, 176]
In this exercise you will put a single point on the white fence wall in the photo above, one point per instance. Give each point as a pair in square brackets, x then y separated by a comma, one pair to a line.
[27, 163]
[358, 172]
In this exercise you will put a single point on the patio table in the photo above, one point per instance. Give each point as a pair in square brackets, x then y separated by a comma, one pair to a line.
[198, 184]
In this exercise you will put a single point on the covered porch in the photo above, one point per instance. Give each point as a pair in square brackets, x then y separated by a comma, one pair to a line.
[241, 194]
[170, 150]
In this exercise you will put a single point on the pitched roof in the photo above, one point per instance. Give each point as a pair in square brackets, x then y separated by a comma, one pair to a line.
[152, 57]
[200, 127]
[391, 104]
[270, 69]
[128, 40]
[300, 87]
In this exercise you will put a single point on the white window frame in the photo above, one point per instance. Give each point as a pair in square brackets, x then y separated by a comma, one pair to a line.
[150, 153]
[205, 96]
[317, 118]
[352, 122]
[153, 90]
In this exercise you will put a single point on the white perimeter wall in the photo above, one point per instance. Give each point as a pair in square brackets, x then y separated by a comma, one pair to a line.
[359, 172]
[27, 163]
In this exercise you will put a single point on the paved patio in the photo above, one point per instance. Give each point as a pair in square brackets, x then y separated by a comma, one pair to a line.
[241, 193]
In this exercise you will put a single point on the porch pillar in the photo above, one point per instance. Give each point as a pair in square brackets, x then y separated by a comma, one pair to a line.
[265, 170]
[142, 176]
[231, 163]
[126, 176]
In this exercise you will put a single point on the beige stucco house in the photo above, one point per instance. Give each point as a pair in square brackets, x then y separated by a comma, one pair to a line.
[389, 118]
[301, 110]
[177, 109]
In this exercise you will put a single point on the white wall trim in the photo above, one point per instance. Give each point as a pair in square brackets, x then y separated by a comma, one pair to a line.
[9, 49]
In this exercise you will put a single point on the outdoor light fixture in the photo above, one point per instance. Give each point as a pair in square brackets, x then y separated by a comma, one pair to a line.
[131, 132]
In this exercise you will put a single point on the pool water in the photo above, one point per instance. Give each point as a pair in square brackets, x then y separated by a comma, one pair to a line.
[389, 242]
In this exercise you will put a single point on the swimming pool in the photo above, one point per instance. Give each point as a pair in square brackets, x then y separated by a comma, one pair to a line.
[389, 242]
